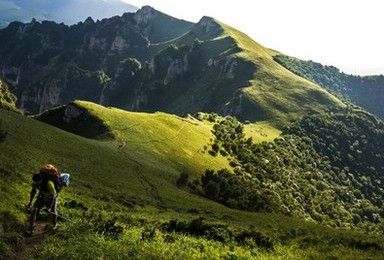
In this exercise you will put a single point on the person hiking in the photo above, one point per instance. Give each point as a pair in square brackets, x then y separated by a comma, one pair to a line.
[48, 182]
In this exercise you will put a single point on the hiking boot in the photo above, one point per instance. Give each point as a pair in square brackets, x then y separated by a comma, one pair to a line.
[50, 227]
[54, 227]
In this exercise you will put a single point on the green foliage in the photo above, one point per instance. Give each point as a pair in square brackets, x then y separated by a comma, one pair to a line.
[107, 226]
[367, 91]
[10, 232]
[326, 167]
[123, 202]
[219, 232]
[7, 99]
[144, 235]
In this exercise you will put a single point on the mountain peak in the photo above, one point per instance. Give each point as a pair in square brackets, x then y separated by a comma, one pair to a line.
[89, 20]
[145, 14]
[208, 26]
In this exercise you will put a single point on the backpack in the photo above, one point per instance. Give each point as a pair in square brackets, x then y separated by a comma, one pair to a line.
[49, 173]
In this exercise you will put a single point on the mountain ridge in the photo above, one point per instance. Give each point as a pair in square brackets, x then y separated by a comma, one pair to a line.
[68, 12]
[364, 91]
[180, 168]
[149, 68]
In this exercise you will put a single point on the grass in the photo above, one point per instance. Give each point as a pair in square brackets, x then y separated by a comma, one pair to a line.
[123, 197]
[228, 72]
[261, 131]
[272, 92]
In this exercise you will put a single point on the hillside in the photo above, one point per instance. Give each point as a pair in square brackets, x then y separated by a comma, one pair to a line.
[126, 182]
[364, 91]
[325, 168]
[186, 141]
[133, 62]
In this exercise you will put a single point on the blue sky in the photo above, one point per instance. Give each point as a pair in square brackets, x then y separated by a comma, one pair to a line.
[343, 33]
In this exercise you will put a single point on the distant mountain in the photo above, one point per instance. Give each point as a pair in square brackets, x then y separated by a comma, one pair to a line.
[364, 91]
[66, 11]
[149, 61]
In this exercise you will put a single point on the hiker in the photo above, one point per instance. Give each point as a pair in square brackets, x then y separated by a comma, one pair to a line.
[48, 182]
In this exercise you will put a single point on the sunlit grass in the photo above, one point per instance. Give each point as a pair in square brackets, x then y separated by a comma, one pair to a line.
[261, 131]
[136, 185]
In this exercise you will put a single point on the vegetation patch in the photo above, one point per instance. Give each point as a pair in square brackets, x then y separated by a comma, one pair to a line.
[132, 201]
[325, 167]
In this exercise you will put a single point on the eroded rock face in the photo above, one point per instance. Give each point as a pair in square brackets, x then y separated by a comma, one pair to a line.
[144, 15]
[97, 44]
[207, 25]
[229, 68]
[176, 67]
[119, 44]
[71, 113]
[125, 61]
[45, 97]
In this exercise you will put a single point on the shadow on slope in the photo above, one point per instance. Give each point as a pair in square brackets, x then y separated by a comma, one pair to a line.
[78, 120]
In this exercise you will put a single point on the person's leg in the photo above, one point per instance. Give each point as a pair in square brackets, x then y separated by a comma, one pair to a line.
[53, 212]
[32, 216]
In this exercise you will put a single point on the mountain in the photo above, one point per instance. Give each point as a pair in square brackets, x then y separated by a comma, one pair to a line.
[149, 61]
[68, 12]
[145, 185]
[193, 141]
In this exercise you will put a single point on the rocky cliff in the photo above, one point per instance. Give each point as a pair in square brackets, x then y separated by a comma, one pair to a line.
[149, 61]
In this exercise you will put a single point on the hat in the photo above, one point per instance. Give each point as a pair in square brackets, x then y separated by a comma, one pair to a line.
[64, 177]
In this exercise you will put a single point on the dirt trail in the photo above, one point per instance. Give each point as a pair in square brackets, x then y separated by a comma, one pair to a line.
[32, 244]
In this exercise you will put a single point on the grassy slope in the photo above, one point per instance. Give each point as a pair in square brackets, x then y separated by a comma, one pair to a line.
[138, 178]
[158, 147]
[281, 95]
[268, 91]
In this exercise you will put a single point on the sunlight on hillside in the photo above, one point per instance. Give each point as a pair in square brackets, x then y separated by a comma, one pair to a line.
[160, 137]
[261, 131]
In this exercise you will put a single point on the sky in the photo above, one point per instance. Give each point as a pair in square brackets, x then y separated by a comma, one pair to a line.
[347, 34]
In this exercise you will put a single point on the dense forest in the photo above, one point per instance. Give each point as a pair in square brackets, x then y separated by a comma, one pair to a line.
[325, 168]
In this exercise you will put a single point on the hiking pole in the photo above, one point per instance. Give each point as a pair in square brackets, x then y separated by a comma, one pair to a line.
[59, 216]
